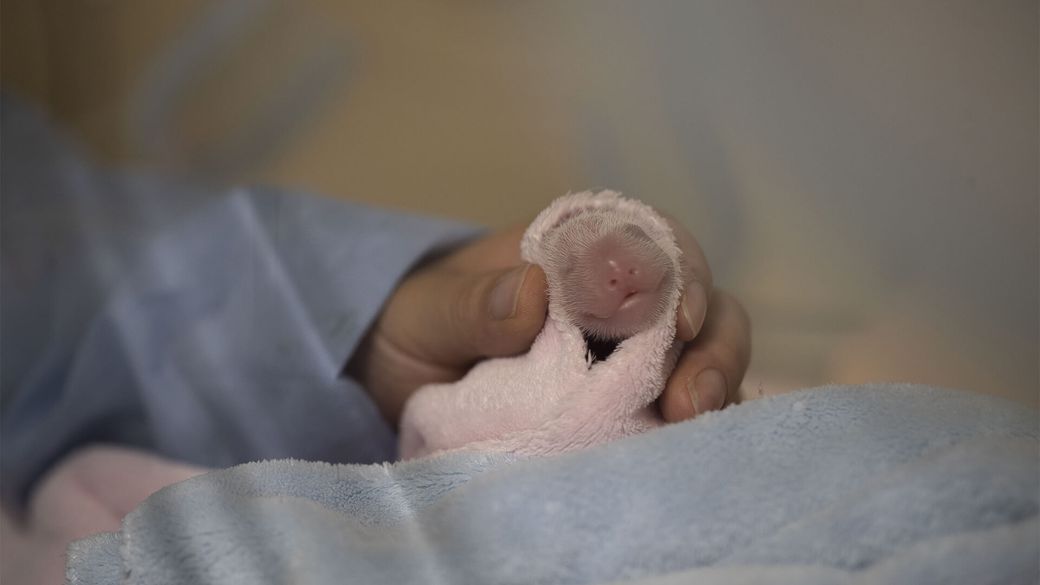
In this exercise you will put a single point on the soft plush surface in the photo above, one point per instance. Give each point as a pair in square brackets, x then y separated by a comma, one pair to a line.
[886, 484]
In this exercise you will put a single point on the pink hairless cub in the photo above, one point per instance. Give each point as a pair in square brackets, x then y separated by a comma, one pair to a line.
[613, 269]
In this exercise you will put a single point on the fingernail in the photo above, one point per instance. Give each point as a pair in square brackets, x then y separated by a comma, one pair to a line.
[506, 294]
[708, 391]
[695, 306]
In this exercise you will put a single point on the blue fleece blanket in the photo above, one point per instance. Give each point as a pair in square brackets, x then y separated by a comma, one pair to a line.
[873, 484]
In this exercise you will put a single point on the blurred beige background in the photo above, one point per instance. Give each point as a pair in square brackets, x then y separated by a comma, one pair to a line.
[863, 174]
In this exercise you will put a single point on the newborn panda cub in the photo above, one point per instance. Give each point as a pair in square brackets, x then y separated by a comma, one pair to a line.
[602, 357]
[609, 275]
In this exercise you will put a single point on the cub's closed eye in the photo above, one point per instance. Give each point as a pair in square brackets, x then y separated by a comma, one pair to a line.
[635, 232]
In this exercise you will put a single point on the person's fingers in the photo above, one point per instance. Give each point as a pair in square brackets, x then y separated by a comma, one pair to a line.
[454, 318]
[502, 249]
[693, 310]
[712, 367]
[478, 301]
[696, 280]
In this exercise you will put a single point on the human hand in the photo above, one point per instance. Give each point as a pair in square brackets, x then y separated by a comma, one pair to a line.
[482, 301]
[717, 332]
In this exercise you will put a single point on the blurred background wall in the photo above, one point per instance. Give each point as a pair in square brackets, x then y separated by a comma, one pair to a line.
[862, 174]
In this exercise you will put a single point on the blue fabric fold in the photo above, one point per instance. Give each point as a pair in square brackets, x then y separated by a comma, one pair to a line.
[872, 484]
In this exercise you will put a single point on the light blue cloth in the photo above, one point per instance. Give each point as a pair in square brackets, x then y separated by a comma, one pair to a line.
[875, 484]
[207, 325]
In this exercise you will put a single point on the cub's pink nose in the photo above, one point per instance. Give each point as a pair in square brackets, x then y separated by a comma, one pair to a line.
[621, 271]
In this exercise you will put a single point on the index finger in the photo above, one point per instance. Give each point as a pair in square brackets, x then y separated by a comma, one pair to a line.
[697, 282]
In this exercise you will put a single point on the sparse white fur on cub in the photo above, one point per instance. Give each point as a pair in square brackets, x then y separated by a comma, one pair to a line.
[598, 253]
[552, 398]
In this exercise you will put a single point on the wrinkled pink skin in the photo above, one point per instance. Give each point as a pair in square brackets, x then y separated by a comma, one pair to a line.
[616, 286]
[613, 275]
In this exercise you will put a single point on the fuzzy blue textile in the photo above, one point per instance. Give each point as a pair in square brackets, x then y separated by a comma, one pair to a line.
[872, 484]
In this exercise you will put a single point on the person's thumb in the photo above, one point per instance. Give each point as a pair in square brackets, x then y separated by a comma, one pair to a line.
[505, 311]
[457, 318]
